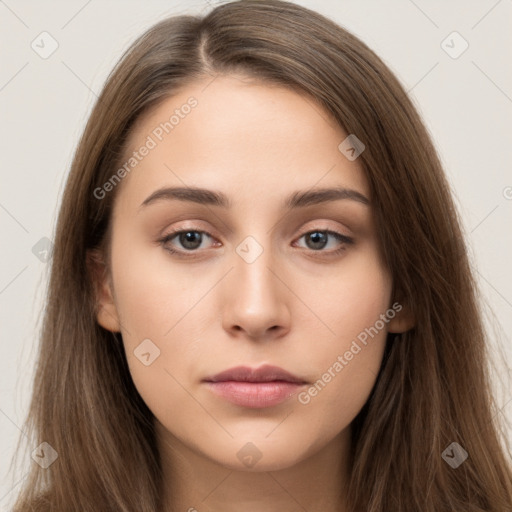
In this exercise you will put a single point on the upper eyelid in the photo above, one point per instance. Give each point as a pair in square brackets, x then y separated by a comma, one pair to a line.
[196, 226]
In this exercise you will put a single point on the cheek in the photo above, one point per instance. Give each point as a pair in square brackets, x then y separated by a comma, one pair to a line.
[152, 293]
[158, 320]
[157, 305]
[348, 356]
[347, 298]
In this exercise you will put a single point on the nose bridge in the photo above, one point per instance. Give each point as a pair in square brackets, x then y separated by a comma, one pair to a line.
[252, 266]
[255, 300]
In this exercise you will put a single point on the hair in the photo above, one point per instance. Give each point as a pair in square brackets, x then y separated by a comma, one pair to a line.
[434, 384]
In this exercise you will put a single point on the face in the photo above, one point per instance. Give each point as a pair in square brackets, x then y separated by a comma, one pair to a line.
[198, 287]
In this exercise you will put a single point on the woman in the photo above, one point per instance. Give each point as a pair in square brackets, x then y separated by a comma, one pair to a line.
[258, 370]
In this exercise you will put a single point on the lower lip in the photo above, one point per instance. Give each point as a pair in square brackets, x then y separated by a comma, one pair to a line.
[254, 394]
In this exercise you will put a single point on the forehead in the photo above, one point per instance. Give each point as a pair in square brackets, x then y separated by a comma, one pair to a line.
[250, 139]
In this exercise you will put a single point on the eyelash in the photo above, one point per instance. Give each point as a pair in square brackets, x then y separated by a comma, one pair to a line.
[193, 253]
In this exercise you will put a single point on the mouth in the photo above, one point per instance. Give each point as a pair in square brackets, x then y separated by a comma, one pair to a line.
[266, 386]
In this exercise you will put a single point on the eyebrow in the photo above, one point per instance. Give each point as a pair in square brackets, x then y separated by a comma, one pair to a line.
[298, 199]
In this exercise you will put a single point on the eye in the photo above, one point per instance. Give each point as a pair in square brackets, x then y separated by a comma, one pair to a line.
[192, 239]
[319, 239]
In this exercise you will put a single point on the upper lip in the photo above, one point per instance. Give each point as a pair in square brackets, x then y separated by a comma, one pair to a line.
[265, 373]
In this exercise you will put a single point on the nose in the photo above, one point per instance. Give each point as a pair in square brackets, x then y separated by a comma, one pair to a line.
[256, 296]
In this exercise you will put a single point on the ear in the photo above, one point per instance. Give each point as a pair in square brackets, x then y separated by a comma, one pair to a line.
[403, 320]
[106, 311]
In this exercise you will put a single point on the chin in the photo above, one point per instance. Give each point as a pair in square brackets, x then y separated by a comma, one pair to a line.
[259, 457]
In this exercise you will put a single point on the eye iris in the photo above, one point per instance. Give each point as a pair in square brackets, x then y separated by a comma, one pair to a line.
[315, 236]
[189, 236]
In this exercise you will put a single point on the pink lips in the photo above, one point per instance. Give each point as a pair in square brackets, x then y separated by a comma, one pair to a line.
[255, 388]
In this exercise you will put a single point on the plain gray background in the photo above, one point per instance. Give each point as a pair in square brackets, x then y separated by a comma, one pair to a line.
[465, 100]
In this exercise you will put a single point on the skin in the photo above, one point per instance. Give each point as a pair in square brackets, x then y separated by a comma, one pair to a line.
[294, 306]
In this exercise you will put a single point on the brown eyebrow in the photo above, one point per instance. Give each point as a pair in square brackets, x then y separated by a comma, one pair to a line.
[297, 199]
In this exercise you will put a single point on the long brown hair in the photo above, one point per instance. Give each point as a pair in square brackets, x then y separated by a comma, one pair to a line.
[434, 385]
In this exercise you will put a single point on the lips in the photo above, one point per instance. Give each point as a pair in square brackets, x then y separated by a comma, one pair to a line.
[266, 386]
[265, 373]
